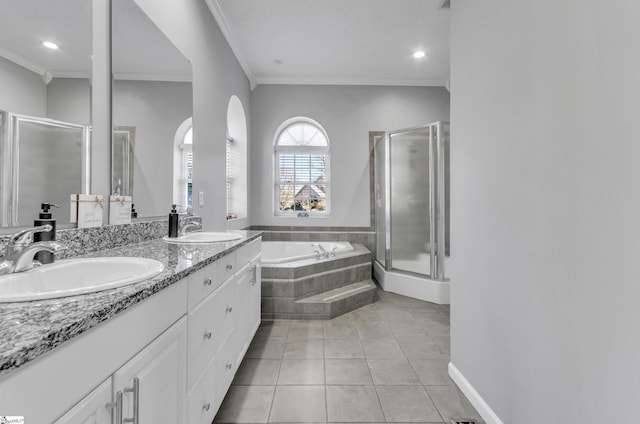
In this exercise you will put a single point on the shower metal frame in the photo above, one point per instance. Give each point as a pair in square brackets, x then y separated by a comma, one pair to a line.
[437, 201]
[10, 155]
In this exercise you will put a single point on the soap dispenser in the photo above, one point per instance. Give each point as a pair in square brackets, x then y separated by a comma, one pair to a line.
[173, 222]
[43, 219]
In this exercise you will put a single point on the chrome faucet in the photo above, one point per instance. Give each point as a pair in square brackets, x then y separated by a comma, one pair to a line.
[322, 252]
[19, 253]
[25, 261]
[191, 224]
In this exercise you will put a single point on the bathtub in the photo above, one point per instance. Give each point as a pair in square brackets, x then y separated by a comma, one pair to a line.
[278, 252]
[297, 285]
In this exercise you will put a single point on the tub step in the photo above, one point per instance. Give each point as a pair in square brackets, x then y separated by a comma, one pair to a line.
[338, 301]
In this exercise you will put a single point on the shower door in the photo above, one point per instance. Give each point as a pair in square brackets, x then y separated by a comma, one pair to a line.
[410, 182]
[412, 200]
[43, 161]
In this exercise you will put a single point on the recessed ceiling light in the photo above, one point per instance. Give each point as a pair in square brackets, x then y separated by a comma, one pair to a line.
[419, 54]
[50, 45]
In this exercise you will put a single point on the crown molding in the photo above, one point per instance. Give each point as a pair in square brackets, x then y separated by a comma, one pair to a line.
[221, 20]
[132, 76]
[352, 81]
[25, 63]
[70, 74]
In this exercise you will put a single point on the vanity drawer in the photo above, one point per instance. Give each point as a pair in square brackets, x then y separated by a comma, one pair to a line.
[210, 325]
[202, 401]
[226, 364]
[248, 252]
[226, 266]
[242, 255]
[202, 283]
[254, 248]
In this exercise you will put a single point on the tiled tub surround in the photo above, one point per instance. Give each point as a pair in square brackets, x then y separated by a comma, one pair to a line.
[30, 329]
[315, 289]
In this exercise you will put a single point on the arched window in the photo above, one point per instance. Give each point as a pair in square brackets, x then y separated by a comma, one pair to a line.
[301, 158]
[183, 166]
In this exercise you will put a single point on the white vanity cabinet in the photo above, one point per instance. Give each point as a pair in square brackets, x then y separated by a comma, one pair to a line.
[152, 385]
[91, 409]
[170, 358]
[221, 327]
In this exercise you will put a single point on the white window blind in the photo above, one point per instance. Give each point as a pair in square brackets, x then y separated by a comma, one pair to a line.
[187, 166]
[302, 165]
[232, 190]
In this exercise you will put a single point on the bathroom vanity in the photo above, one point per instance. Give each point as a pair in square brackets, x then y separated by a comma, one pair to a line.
[163, 350]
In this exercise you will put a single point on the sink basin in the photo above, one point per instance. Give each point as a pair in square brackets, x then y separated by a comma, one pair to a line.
[71, 277]
[203, 237]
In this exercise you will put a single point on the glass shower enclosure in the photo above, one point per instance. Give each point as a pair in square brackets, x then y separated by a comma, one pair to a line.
[412, 200]
[41, 161]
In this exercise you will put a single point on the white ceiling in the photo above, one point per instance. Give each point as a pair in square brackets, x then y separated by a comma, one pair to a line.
[276, 41]
[25, 24]
[367, 42]
[140, 49]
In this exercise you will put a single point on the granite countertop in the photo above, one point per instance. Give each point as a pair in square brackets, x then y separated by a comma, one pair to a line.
[29, 329]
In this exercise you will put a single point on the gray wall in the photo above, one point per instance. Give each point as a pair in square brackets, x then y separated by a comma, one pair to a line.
[156, 110]
[21, 90]
[545, 183]
[24, 92]
[347, 113]
[216, 77]
[69, 100]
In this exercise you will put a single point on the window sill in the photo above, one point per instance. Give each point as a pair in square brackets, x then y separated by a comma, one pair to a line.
[313, 216]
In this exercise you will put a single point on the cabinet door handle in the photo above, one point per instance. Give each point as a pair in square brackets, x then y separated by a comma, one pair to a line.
[207, 281]
[206, 406]
[229, 365]
[229, 267]
[254, 275]
[136, 401]
[116, 407]
[207, 334]
[229, 309]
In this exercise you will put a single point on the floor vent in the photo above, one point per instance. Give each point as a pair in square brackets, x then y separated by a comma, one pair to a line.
[463, 421]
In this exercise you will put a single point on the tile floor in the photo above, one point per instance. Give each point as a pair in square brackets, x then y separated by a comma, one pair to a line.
[383, 363]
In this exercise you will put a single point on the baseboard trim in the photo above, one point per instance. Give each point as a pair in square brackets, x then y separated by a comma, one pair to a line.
[476, 400]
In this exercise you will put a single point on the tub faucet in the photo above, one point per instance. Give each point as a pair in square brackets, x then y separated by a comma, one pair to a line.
[19, 253]
[191, 224]
[323, 252]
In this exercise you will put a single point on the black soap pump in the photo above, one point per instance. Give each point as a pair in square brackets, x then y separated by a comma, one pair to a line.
[173, 222]
[43, 219]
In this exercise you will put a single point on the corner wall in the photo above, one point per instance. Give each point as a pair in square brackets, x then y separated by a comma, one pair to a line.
[217, 76]
[545, 183]
[23, 91]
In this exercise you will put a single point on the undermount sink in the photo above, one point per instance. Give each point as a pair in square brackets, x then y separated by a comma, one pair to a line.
[204, 237]
[72, 277]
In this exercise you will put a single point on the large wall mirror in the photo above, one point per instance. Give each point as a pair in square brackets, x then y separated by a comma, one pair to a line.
[45, 106]
[152, 97]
